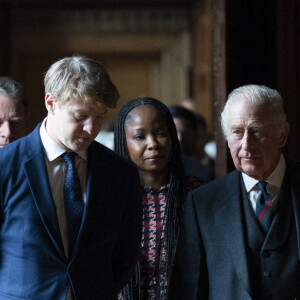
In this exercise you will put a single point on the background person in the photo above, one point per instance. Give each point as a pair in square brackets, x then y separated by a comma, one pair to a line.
[13, 110]
[187, 132]
[70, 207]
[205, 149]
[240, 234]
[202, 143]
[106, 135]
[145, 132]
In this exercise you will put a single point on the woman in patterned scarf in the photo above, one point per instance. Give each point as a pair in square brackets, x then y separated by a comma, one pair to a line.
[146, 134]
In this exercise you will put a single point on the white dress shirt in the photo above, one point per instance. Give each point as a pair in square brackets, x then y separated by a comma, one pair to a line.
[57, 168]
[274, 182]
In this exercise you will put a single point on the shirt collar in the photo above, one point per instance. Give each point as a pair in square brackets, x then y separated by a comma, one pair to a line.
[52, 149]
[275, 178]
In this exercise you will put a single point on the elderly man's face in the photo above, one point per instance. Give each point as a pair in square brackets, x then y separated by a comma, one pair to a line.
[254, 142]
[12, 120]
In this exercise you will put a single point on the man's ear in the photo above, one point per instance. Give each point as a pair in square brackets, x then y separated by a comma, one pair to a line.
[50, 103]
[284, 135]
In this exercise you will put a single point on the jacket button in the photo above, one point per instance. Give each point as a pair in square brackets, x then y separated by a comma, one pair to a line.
[267, 274]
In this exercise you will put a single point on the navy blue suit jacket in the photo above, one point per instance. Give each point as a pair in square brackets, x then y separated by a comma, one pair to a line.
[212, 259]
[32, 260]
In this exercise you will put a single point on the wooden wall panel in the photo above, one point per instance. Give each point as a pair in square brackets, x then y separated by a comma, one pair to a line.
[288, 68]
[4, 40]
[219, 83]
[136, 44]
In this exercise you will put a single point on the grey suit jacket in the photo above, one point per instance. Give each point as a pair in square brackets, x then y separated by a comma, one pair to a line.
[212, 260]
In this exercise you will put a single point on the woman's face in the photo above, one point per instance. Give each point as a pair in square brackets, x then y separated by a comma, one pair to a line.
[148, 139]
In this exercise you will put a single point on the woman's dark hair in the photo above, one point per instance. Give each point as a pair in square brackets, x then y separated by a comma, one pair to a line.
[176, 192]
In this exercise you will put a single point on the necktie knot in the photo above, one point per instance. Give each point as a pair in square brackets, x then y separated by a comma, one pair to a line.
[263, 188]
[69, 157]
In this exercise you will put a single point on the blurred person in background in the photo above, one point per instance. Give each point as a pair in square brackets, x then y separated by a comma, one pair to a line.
[106, 135]
[205, 150]
[187, 132]
[203, 141]
[13, 110]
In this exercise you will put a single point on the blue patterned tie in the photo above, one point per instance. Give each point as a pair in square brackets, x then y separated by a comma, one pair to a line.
[264, 207]
[73, 200]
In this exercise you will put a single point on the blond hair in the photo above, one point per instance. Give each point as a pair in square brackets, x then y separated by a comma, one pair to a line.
[80, 78]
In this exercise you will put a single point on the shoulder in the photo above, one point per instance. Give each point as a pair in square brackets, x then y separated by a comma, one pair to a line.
[219, 186]
[12, 158]
[196, 168]
[293, 171]
[28, 144]
[13, 150]
[99, 153]
[211, 197]
[292, 165]
[192, 182]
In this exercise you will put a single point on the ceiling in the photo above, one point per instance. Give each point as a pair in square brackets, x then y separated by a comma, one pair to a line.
[98, 3]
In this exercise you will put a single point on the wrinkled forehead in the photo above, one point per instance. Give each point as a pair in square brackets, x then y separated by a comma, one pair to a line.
[11, 106]
[246, 110]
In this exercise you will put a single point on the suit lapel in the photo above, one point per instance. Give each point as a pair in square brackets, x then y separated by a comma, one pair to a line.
[37, 176]
[231, 223]
[255, 237]
[293, 177]
[280, 228]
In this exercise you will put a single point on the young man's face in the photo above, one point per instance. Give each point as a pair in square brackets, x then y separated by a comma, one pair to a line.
[12, 120]
[74, 125]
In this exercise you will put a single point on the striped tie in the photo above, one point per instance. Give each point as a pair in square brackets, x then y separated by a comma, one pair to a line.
[264, 207]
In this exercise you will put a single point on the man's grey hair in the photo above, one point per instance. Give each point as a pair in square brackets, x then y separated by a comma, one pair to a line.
[80, 78]
[258, 94]
[13, 89]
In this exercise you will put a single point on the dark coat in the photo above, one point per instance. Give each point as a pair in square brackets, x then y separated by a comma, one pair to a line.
[33, 265]
[214, 254]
